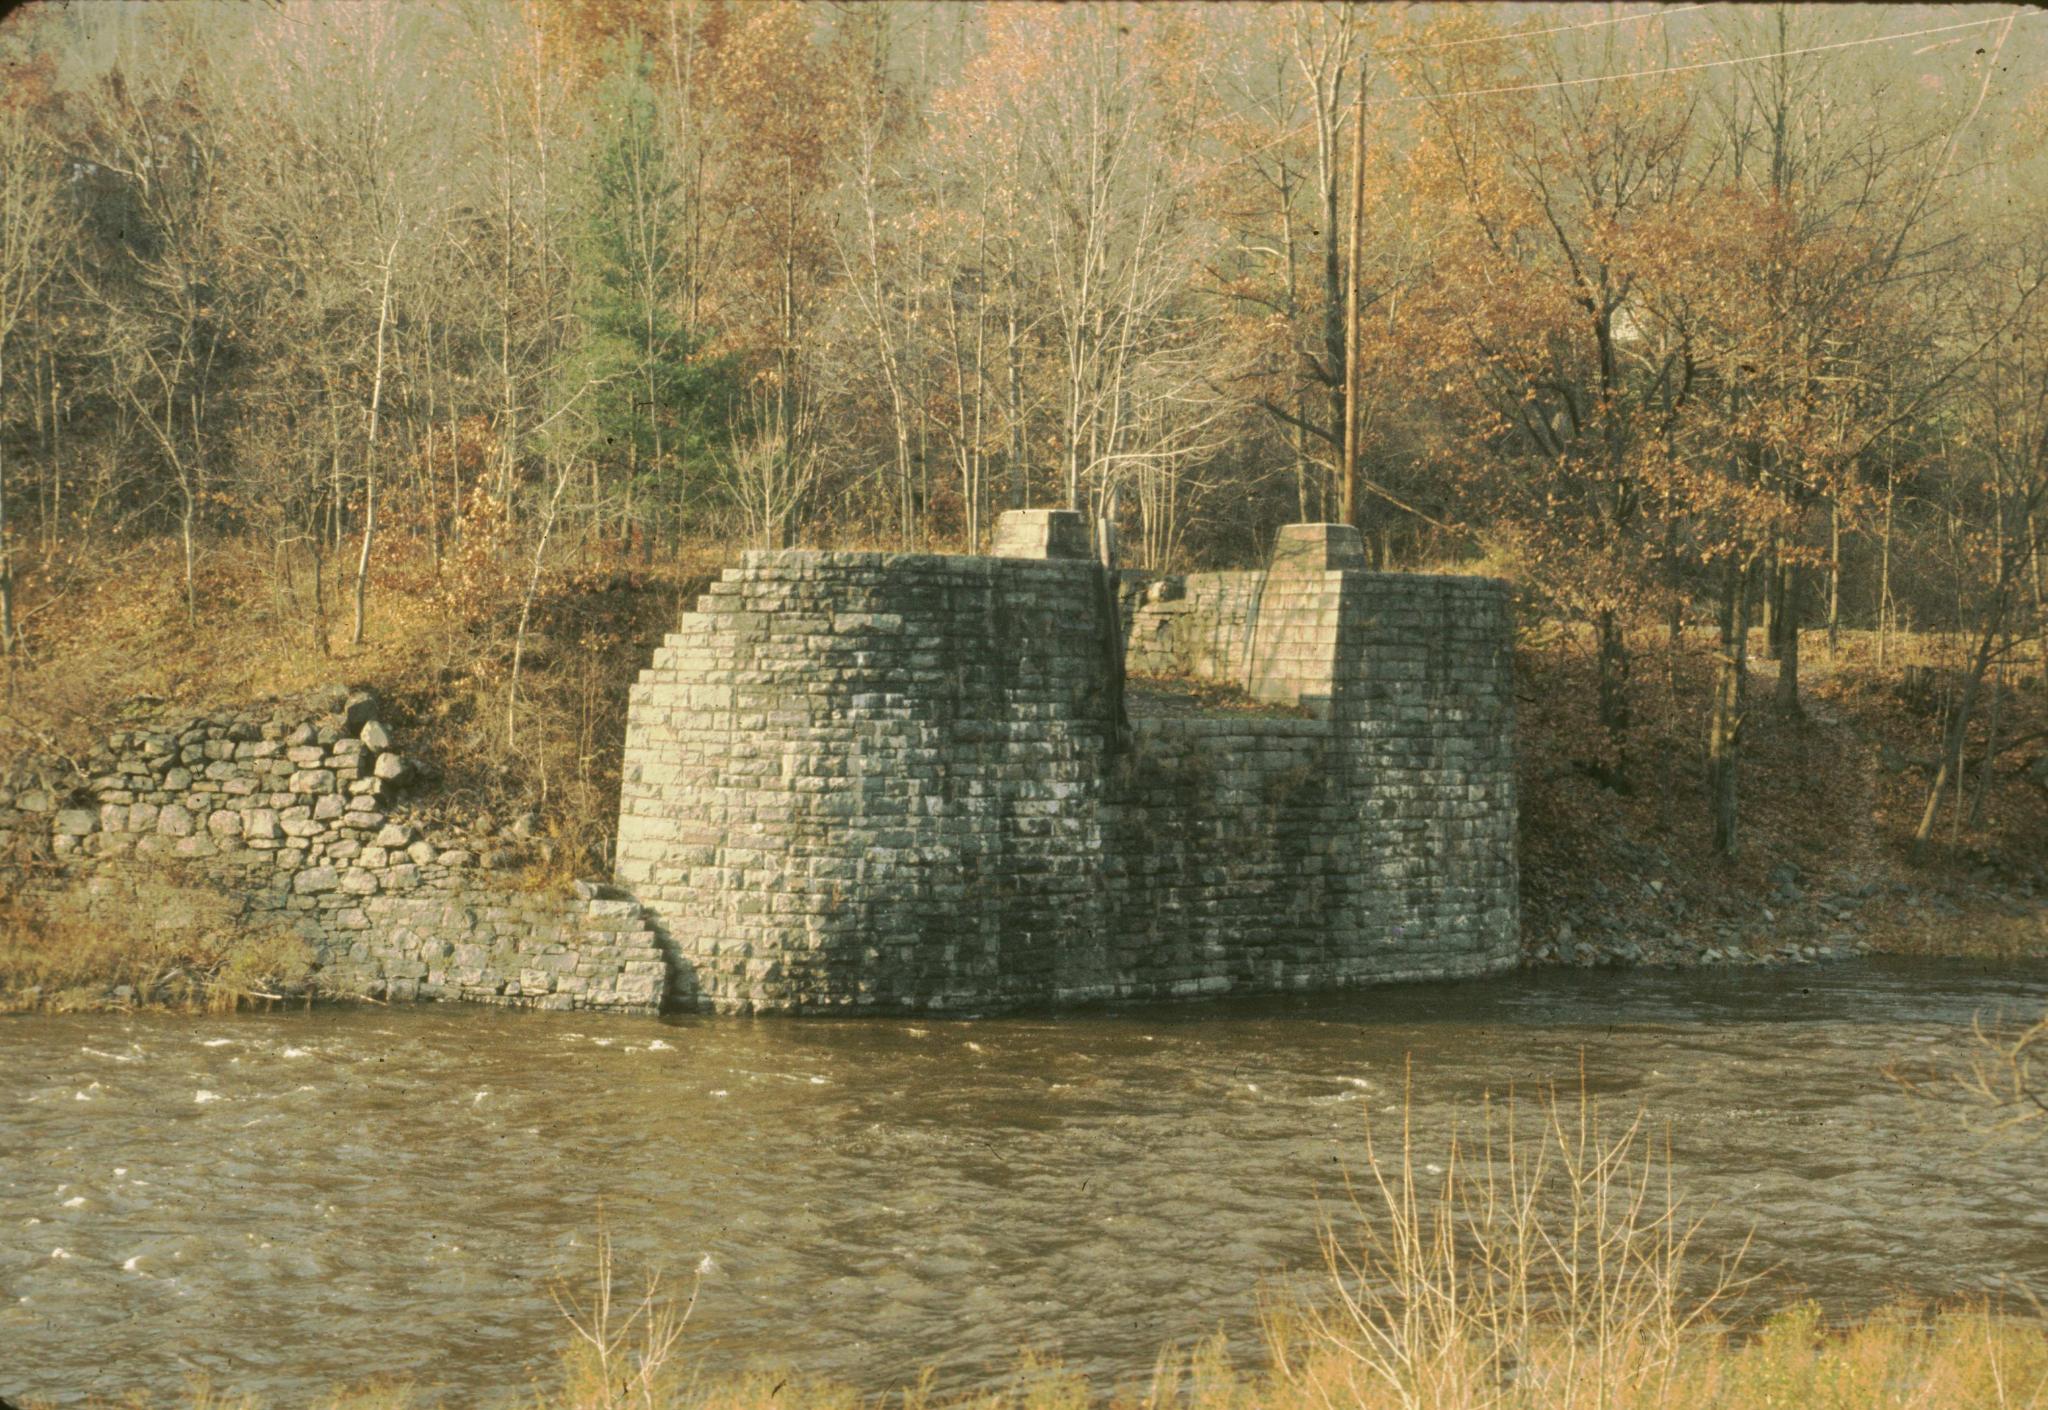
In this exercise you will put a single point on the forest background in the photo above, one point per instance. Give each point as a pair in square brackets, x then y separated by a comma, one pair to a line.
[446, 346]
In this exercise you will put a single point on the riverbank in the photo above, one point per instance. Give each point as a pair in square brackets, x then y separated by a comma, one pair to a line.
[55, 958]
[1617, 867]
[1615, 863]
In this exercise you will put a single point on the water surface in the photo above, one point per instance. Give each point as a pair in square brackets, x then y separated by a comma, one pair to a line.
[292, 1200]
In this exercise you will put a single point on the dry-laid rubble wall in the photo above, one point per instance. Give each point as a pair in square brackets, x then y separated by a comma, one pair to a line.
[292, 812]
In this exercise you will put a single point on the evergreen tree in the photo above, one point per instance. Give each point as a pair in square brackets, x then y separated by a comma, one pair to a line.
[659, 402]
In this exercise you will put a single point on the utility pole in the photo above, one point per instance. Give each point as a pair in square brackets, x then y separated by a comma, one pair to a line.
[1349, 485]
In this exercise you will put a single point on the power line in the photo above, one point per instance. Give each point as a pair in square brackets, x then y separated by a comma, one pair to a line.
[1703, 64]
[1301, 129]
[1532, 33]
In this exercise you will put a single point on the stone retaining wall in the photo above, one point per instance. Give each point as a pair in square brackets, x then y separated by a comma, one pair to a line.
[889, 782]
[291, 812]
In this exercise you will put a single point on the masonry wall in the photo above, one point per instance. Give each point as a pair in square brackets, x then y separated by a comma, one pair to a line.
[887, 781]
[292, 813]
[872, 780]
[1200, 625]
[883, 782]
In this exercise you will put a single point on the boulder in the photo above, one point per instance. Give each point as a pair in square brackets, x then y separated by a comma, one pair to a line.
[359, 710]
[314, 880]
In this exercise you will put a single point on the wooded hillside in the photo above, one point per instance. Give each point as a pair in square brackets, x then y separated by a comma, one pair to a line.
[1686, 320]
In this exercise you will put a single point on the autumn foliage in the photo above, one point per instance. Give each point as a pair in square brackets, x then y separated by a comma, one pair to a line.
[1696, 324]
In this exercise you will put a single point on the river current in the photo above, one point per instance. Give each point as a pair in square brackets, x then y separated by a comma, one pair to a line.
[295, 1200]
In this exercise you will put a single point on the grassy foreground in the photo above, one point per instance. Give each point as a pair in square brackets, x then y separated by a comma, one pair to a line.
[1958, 1360]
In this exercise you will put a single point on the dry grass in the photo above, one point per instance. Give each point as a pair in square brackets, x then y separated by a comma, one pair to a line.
[1182, 697]
[169, 948]
[1960, 1359]
[1543, 1260]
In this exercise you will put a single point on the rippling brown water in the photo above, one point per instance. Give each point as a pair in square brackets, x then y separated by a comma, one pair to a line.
[293, 1200]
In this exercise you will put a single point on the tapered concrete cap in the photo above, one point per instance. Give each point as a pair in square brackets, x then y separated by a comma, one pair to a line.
[1318, 548]
[1040, 533]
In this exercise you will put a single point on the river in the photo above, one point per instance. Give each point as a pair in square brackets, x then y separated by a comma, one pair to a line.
[293, 1200]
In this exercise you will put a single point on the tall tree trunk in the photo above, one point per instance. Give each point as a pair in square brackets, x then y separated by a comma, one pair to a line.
[1724, 723]
[1834, 579]
[318, 539]
[1334, 344]
[1884, 575]
[370, 451]
[1347, 506]
[540, 550]
[1791, 602]
[2040, 604]
[1615, 715]
[6, 545]
[1020, 479]
[188, 508]
[6, 572]
[1984, 772]
[1951, 767]
[1773, 604]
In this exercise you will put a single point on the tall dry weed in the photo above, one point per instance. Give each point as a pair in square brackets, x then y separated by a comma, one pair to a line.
[1544, 1260]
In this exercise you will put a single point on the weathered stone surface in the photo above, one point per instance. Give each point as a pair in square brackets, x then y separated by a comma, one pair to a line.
[359, 710]
[1040, 533]
[898, 781]
[1317, 548]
